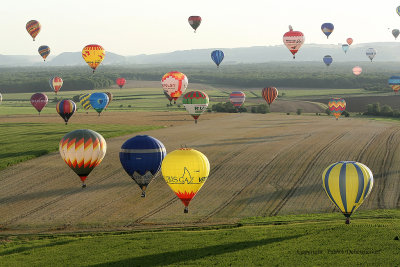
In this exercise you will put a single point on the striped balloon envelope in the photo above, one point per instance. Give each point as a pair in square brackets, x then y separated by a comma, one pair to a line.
[269, 94]
[237, 98]
[394, 82]
[85, 102]
[357, 70]
[194, 22]
[82, 150]
[337, 106]
[347, 184]
[93, 55]
[195, 103]
[293, 40]
[185, 171]
[327, 29]
[66, 108]
[44, 51]
[56, 84]
[33, 27]
[141, 157]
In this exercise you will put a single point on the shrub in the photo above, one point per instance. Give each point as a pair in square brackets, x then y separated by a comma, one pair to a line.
[75, 98]
[263, 108]
[288, 113]
[299, 111]
[346, 114]
[328, 111]
[129, 106]
[121, 106]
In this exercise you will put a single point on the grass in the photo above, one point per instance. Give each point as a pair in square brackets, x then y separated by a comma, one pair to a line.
[305, 240]
[24, 141]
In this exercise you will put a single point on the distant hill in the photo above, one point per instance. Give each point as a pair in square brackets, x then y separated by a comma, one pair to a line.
[257, 54]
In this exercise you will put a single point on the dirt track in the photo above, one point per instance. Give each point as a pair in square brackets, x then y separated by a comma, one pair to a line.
[260, 165]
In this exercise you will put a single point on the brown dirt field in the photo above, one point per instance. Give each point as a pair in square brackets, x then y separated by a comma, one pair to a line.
[261, 165]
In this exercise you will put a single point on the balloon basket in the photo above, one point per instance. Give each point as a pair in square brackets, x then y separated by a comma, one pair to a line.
[83, 185]
[195, 121]
[143, 194]
[186, 210]
[347, 220]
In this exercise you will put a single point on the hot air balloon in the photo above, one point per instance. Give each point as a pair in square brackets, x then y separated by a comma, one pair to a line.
[395, 33]
[93, 54]
[141, 158]
[33, 28]
[349, 41]
[327, 29]
[66, 108]
[98, 101]
[371, 52]
[345, 47]
[1, 98]
[185, 171]
[347, 184]
[195, 102]
[237, 98]
[398, 10]
[44, 51]
[174, 84]
[194, 22]
[110, 98]
[121, 82]
[85, 102]
[168, 97]
[394, 82]
[337, 106]
[56, 83]
[82, 150]
[328, 60]
[357, 70]
[217, 56]
[269, 94]
[39, 101]
[293, 40]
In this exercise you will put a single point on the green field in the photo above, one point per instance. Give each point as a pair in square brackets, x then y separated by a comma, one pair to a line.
[23, 141]
[308, 240]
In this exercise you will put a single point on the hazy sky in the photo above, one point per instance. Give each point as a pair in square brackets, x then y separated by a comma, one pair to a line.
[154, 26]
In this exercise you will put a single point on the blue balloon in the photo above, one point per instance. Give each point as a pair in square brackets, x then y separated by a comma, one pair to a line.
[141, 157]
[217, 56]
[328, 60]
[327, 29]
[98, 101]
[345, 47]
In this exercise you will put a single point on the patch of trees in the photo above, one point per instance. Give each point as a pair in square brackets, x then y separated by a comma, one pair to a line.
[228, 107]
[384, 111]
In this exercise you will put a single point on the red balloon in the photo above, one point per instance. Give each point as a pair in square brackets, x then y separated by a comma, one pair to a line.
[39, 101]
[121, 82]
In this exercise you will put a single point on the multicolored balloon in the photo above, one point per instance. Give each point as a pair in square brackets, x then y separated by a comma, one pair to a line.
[174, 84]
[33, 27]
[141, 157]
[93, 55]
[44, 51]
[293, 40]
[56, 84]
[395, 33]
[337, 106]
[66, 108]
[85, 102]
[349, 41]
[357, 70]
[398, 10]
[121, 82]
[345, 47]
[82, 150]
[269, 94]
[371, 52]
[195, 102]
[39, 101]
[185, 171]
[217, 56]
[327, 29]
[99, 101]
[394, 82]
[347, 184]
[237, 98]
[328, 60]
[194, 22]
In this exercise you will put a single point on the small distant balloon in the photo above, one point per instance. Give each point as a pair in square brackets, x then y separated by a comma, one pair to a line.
[56, 83]
[395, 33]
[394, 82]
[93, 55]
[66, 108]
[217, 56]
[293, 40]
[398, 10]
[174, 84]
[269, 94]
[195, 103]
[328, 60]
[357, 70]
[345, 47]
[371, 52]
[337, 106]
[327, 29]
[121, 82]
[194, 22]
[33, 27]
[110, 98]
[349, 41]
[85, 102]
[44, 51]
[39, 101]
[99, 101]
[237, 98]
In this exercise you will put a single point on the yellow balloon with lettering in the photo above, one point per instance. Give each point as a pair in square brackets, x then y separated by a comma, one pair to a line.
[93, 55]
[185, 171]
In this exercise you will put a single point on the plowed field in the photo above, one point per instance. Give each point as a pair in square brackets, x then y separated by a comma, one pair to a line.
[261, 165]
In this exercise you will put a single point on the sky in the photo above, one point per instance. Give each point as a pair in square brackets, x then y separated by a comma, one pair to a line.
[133, 27]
